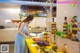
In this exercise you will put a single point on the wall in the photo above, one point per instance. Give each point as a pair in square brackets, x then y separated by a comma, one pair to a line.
[78, 8]
[66, 9]
[8, 12]
[7, 35]
[38, 22]
[11, 11]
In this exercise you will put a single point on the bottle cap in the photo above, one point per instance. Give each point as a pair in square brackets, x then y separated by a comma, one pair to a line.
[65, 18]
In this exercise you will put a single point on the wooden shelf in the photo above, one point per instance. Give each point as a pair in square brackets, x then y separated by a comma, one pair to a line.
[16, 21]
[7, 42]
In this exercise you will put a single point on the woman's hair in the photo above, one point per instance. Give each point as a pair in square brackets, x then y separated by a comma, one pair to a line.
[27, 19]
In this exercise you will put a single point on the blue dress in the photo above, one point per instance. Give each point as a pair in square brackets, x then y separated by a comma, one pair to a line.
[20, 44]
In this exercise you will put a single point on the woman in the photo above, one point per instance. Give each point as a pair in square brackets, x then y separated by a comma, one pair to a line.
[20, 45]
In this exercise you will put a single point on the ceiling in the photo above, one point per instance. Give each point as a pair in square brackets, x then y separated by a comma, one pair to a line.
[40, 0]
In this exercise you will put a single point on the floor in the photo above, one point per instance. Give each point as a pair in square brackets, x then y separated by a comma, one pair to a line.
[11, 48]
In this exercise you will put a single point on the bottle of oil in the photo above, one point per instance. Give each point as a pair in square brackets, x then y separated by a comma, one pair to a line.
[74, 30]
[53, 27]
[65, 48]
[65, 29]
[45, 37]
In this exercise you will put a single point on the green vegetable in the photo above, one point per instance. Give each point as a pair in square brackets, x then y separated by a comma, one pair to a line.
[61, 34]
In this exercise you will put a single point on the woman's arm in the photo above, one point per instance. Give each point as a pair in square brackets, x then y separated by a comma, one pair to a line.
[20, 30]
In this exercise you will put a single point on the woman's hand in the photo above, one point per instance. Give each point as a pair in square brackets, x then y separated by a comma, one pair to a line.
[28, 37]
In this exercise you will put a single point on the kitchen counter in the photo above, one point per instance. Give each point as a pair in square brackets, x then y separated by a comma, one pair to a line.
[9, 29]
[71, 46]
[8, 34]
[35, 48]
